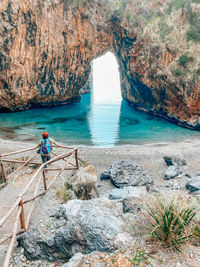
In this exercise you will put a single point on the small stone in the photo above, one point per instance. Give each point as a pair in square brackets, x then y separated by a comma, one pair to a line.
[125, 193]
[172, 172]
[193, 184]
[178, 264]
[174, 160]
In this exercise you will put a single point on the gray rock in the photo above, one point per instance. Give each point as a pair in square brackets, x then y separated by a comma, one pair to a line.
[91, 225]
[130, 207]
[125, 193]
[172, 172]
[74, 261]
[174, 160]
[105, 175]
[194, 183]
[127, 173]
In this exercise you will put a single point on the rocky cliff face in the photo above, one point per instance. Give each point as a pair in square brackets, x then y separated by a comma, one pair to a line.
[46, 48]
[45, 51]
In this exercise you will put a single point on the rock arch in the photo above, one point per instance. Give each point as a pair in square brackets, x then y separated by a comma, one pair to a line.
[46, 48]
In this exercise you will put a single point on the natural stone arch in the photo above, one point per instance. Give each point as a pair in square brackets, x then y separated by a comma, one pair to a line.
[46, 50]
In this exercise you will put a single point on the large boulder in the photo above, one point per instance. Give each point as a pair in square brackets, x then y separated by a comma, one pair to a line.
[172, 172]
[87, 225]
[193, 184]
[127, 173]
[174, 160]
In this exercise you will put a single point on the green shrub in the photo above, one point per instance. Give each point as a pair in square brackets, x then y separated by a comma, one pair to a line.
[141, 256]
[137, 20]
[193, 34]
[62, 194]
[184, 59]
[177, 72]
[86, 41]
[180, 3]
[196, 1]
[65, 193]
[164, 28]
[196, 235]
[170, 222]
[198, 71]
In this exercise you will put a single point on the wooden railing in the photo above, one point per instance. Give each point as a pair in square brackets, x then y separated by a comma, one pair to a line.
[18, 206]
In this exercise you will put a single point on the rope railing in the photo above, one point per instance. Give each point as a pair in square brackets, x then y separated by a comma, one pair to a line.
[38, 177]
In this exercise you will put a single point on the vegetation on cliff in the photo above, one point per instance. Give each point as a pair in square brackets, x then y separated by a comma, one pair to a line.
[173, 23]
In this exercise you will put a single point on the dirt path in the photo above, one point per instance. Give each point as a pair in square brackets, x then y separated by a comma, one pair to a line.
[9, 194]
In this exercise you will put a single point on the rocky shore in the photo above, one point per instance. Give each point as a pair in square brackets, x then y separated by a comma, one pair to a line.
[104, 231]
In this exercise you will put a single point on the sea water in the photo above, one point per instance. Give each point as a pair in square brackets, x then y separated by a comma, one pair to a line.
[85, 123]
[101, 119]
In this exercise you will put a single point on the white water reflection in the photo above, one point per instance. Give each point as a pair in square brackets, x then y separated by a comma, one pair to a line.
[106, 100]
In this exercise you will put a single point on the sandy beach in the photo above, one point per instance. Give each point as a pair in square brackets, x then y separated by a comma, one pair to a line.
[150, 156]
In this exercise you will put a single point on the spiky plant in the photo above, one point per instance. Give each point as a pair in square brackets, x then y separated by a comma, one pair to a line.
[170, 222]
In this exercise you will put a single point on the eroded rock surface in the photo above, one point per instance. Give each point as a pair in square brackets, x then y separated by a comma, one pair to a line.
[172, 171]
[87, 225]
[174, 160]
[125, 193]
[193, 184]
[127, 173]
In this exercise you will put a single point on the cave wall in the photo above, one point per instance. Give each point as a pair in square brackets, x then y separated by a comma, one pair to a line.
[147, 84]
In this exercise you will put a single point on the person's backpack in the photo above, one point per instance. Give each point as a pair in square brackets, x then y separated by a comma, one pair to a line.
[46, 146]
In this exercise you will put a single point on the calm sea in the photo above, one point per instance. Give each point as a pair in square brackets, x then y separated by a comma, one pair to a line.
[91, 124]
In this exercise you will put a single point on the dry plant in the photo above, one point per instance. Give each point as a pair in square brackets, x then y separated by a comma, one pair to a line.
[170, 221]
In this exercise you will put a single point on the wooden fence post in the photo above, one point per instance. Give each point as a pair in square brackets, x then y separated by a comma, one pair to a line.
[22, 218]
[44, 180]
[3, 172]
[76, 156]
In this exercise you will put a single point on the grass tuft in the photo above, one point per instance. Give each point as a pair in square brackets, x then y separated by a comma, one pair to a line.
[170, 222]
[141, 256]
[65, 193]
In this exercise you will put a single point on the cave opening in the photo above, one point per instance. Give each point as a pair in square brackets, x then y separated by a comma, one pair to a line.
[105, 100]
[106, 80]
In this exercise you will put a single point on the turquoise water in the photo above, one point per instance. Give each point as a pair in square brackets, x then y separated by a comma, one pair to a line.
[101, 119]
[91, 124]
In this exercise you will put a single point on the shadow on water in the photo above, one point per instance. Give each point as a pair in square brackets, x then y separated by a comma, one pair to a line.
[136, 127]
[67, 123]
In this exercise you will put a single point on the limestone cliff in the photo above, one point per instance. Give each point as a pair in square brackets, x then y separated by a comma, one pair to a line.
[46, 47]
[45, 51]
